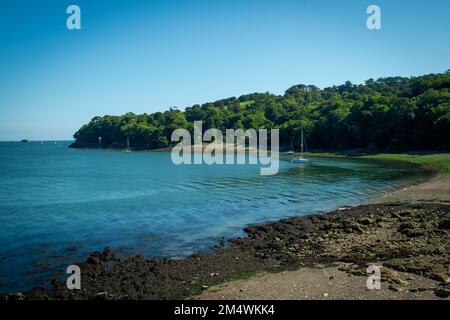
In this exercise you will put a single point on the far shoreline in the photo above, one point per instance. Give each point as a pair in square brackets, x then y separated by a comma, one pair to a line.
[434, 164]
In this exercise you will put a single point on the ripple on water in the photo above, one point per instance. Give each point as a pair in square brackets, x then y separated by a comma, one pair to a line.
[52, 200]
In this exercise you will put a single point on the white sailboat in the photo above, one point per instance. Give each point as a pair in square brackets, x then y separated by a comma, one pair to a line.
[300, 159]
[128, 145]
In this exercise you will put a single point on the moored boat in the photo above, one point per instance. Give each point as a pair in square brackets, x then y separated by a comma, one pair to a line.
[300, 159]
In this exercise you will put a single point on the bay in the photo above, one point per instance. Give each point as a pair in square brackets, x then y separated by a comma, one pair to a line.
[59, 204]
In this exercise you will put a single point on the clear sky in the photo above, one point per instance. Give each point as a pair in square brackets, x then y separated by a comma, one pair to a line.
[146, 56]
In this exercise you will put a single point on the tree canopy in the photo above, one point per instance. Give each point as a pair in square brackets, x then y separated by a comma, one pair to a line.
[391, 113]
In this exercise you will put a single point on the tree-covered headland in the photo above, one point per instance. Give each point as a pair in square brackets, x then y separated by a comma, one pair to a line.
[394, 113]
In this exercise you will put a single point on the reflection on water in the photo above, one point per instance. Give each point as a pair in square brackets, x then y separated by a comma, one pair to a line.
[58, 204]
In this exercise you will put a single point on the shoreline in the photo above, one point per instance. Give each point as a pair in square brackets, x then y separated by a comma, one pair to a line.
[436, 189]
[292, 245]
[423, 281]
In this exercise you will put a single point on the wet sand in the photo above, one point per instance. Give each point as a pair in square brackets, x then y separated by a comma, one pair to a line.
[437, 189]
[321, 283]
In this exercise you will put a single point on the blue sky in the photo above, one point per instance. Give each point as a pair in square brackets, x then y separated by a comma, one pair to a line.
[146, 56]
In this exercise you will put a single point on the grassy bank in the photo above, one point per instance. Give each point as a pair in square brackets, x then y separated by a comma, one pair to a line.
[439, 162]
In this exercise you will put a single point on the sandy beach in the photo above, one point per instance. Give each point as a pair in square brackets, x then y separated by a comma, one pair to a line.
[437, 189]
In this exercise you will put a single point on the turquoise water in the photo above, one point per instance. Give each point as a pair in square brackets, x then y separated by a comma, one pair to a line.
[58, 204]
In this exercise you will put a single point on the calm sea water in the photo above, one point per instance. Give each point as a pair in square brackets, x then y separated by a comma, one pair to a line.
[58, 204]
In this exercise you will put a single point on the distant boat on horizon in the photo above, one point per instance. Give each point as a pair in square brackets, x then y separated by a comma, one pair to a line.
[25, 141]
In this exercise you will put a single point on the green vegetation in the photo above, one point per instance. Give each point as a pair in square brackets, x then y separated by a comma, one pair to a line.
[386, 114]
[243, 276]
[439, 162]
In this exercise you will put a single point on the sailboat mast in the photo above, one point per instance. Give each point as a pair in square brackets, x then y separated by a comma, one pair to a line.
[128, 142]
[301, 145]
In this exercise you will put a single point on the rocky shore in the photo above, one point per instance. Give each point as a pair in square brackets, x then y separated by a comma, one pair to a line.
[402, 237]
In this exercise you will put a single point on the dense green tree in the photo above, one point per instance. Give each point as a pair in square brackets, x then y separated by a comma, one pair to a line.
[386, 114]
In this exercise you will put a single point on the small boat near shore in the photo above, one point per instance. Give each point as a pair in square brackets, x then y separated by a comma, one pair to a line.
[300, 159]
[128, 146]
